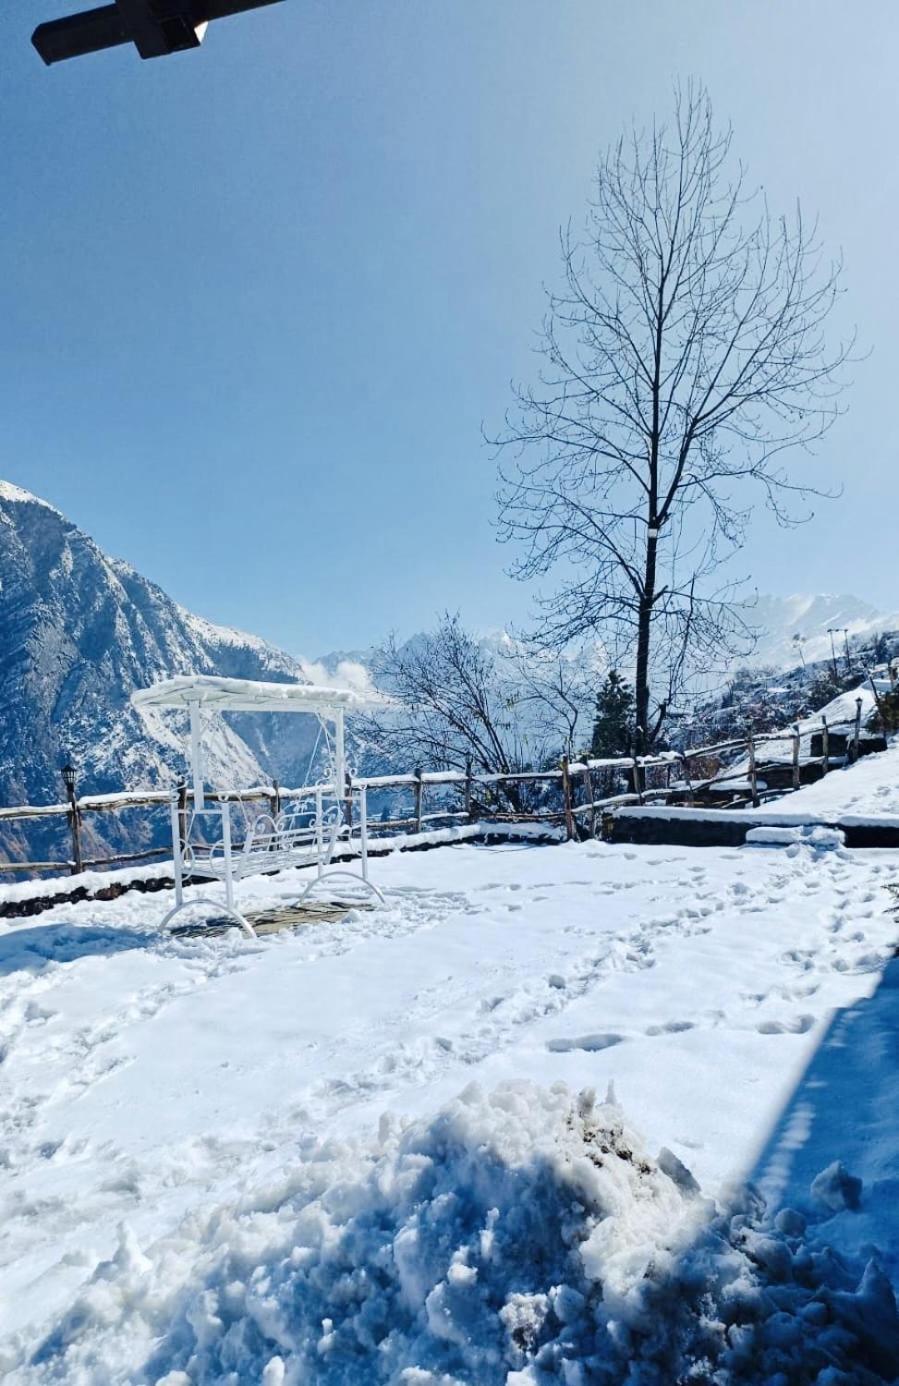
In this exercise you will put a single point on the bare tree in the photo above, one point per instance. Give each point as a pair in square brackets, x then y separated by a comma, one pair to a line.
[457, 700]
[684, 353]
[554, 695]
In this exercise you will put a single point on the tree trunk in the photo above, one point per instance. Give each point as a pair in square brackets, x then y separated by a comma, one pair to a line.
[644, 623]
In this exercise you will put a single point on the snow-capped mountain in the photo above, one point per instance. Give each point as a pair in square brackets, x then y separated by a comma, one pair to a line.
[780, 620]
[789, 630]
[81, 631]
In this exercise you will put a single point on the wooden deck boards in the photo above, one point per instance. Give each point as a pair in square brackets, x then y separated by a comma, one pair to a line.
[272, 920]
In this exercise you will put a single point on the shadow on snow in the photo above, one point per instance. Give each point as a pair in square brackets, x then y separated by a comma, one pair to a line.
[32, 950]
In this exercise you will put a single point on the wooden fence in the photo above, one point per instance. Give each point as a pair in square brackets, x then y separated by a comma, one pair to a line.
[696, 774]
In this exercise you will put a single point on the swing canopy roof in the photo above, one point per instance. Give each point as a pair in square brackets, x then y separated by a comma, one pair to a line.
[248, 695]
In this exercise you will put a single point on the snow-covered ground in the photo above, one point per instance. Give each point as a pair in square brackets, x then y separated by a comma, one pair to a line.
[162, 1099]
[869, 789]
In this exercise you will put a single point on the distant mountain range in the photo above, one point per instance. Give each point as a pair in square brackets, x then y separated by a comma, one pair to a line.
[81, 630]
[782, 619]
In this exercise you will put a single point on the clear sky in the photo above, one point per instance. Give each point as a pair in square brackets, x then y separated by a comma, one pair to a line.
[257, 299]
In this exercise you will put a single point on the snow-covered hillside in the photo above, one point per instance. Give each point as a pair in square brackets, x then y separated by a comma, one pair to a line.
[199, 1184]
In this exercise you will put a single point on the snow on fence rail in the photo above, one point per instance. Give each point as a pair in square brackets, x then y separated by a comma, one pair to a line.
[574, 778]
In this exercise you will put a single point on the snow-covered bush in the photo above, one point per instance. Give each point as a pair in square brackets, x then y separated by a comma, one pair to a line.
[521, 1237]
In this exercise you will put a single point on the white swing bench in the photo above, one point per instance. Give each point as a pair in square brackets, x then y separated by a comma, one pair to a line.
[305, 834]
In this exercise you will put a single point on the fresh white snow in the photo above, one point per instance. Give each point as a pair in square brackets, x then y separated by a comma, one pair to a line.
[868, 789]
[180, 1116]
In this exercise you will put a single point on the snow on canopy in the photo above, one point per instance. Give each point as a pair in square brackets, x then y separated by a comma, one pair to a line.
[251, 695]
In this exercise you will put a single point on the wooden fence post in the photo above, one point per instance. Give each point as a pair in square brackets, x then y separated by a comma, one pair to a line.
[418, 797]
[796, 749]
[74, 817]
[825, 746]
[275, 799]
[858, 725]
[348, 802]
[363, 829]
[753, 777]
[591, 798]
[685, 763]
[637, 786]
[467, 790]
[566, 799]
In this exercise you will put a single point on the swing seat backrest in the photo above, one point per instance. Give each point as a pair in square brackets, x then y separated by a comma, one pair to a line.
[291, 838]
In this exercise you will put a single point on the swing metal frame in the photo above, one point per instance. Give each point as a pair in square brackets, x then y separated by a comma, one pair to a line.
[297, 837]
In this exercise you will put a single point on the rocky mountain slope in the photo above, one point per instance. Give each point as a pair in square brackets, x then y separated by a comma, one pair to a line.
[80, 631]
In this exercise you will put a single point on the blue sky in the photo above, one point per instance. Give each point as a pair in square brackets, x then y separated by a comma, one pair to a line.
[257, 299]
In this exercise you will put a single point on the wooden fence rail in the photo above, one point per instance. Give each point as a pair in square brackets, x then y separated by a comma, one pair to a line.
[574, 779]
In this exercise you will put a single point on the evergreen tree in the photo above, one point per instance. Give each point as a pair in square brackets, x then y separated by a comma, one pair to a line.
[614, 721]
[823, 689]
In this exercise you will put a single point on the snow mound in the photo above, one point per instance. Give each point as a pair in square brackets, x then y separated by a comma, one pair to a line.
[521, 1237]
[813, 835]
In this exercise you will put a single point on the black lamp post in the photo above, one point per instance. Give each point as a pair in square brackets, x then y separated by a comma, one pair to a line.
[68, 778]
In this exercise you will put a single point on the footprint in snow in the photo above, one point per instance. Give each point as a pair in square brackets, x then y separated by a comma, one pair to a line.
[868, 962]
[37, 1015]
[591, 1044]
[799, 1026]
[671, 1027]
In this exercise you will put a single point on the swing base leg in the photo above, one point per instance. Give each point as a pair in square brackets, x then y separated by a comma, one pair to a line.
[328, 876]
[216, 905]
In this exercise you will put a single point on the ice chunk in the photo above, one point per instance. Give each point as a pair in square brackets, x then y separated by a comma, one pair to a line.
[836, 1188]
[789, 1222]
[675, 1169]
